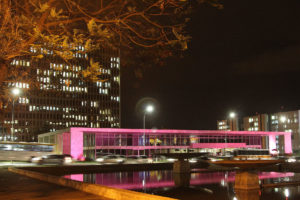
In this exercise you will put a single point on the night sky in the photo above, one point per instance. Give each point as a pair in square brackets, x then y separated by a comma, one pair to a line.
[244, 58]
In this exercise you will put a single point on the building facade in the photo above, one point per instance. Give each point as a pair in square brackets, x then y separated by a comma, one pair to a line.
[93, 142]
[60, 97]
[259, 122]
[286, 122]
[282, 122]
[228, 124]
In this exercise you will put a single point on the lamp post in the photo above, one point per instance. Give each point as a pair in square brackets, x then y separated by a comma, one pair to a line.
[231, 116]
[15, 92]
[149, 109]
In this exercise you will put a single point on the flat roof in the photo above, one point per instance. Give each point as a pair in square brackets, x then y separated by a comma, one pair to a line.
[174, 131]
[55, 132]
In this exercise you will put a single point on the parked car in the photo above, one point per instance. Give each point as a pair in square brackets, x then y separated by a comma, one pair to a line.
[117, 159]
[135, 159]
[35, 159]
[290, 159]
[52, 159]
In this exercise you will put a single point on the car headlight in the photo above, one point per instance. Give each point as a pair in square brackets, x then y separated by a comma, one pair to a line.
[68, 160]
[36, 159]
[100, 159]
[119, 160]
[171, 159]
[291, 160]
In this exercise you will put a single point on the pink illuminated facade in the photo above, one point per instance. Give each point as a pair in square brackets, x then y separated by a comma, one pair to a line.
[90, 142]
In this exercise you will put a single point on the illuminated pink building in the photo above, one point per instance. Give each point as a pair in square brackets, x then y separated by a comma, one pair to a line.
[90, 142]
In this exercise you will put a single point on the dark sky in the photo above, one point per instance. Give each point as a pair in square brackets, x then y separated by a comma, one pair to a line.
[244, 58]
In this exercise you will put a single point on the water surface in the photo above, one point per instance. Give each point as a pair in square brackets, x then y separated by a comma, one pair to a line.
[206, 185]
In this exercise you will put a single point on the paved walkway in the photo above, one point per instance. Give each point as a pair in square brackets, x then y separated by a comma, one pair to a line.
[14, 186]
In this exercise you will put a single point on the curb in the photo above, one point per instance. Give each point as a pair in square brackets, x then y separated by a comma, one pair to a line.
[100, 190]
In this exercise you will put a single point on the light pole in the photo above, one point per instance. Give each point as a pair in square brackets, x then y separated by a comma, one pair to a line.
[15, 92]
[149, 109]
[231, 116]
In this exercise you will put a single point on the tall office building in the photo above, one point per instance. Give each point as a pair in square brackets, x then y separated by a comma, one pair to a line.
[60, 97]
[286, 122]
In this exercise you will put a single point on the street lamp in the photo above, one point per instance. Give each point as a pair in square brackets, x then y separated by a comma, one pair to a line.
[149, 109]
[15, 92]
[231, 116]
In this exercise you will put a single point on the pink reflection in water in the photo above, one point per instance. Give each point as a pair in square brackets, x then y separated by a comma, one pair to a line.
[156, 179]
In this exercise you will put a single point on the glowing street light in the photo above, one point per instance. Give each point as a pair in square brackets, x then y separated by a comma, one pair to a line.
[16, 92]
[149, 109]
[232, 115]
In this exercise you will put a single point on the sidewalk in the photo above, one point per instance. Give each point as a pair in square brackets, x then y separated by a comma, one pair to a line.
[14, 187]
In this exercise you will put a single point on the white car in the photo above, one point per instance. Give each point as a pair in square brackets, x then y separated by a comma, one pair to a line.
[291, 159]
[52, 159]
[111, 159]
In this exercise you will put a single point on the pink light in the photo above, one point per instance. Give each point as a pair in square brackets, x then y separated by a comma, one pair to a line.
[218, 145]
[288, 144]
[272, 142]
[172, 131]
[77, 177]
[76, 143]
[76, 138]
[141, 147]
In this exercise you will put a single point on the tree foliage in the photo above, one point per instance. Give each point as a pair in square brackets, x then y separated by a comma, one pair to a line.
[155, 26]
[149, 29]
[63, 23]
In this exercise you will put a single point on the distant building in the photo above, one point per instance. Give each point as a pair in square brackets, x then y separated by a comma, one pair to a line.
[257, 122]
[286, 122]
[223, 125]
[62, 98]
[276, 122]
[228, 124]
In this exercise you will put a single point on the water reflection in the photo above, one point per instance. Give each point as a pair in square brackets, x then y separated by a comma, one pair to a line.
[165, 178]
[200, 185]
[248, 194]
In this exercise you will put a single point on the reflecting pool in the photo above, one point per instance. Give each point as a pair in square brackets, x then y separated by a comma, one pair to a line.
[208, 185]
